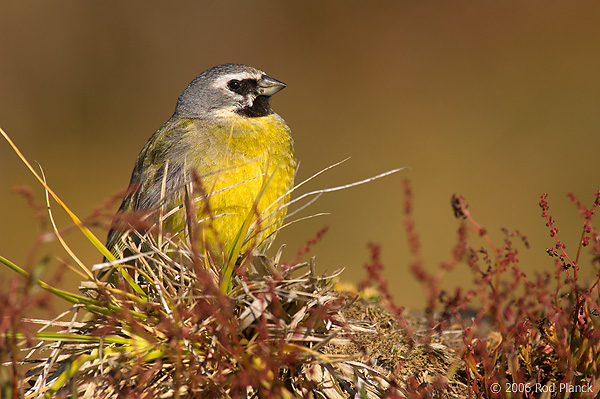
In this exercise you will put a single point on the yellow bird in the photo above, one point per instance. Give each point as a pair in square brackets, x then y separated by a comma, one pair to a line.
[224, 132]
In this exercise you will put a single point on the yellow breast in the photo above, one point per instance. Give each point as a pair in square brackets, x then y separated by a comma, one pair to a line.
[247, 167]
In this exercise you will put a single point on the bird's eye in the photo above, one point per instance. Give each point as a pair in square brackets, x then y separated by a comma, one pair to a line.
[234, 85]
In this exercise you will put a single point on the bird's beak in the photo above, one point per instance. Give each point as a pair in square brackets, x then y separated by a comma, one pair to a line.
[267, 86]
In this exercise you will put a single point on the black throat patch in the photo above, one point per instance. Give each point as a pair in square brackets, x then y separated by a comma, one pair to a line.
[260, 107]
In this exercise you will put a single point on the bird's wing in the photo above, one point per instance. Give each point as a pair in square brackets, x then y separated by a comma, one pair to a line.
[145, 191]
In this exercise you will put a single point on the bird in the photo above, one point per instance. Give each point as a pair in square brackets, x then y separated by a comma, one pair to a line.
[224, 137]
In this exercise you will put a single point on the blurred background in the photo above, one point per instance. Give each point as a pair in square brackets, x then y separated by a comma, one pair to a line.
[497, 101]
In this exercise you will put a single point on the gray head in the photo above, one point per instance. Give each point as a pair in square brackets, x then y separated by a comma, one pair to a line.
[226, 89]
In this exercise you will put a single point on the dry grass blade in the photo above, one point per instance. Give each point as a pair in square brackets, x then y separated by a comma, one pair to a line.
[91, 237]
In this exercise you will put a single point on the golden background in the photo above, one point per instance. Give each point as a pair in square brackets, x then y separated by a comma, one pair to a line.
[498, 101]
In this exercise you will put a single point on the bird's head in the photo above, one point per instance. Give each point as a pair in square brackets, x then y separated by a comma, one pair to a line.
[226, 89]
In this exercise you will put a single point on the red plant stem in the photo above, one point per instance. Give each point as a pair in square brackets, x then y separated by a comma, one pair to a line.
[476, 227]
[559, 245]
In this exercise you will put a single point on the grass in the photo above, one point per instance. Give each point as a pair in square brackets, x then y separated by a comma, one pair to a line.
[279, 329]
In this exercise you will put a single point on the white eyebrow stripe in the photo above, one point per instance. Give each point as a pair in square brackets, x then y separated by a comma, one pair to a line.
[222, 80]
